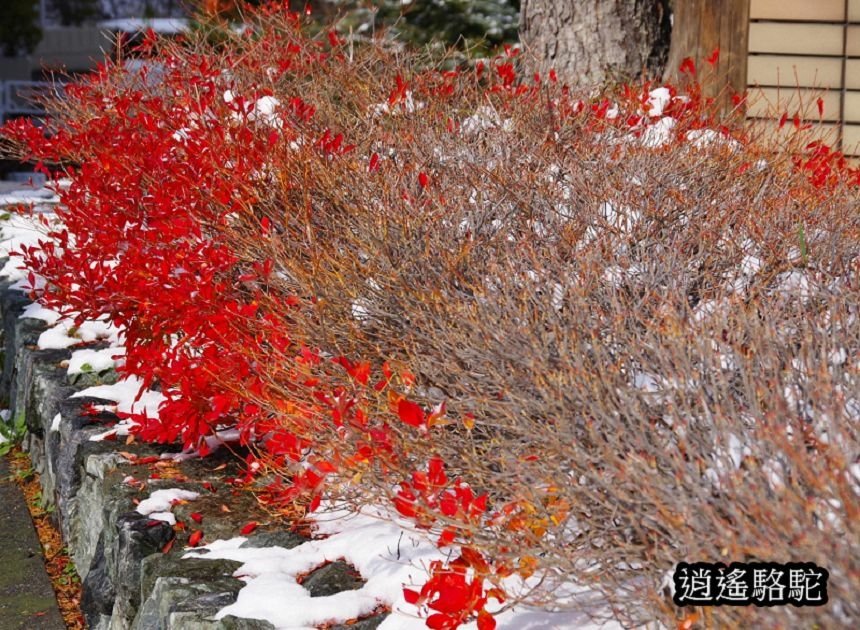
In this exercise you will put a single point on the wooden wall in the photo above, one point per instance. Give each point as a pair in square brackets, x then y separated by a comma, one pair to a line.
[802, 50]
[703, 26]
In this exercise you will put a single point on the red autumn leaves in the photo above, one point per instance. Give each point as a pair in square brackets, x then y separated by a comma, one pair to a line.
[456, 593]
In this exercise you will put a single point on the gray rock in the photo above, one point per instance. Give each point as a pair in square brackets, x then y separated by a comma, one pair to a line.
[98, 593]
[138, 537]
[285, 539]
[73, 444]
[334, 577]
[191, 569]
[371, 623]
[192, 621]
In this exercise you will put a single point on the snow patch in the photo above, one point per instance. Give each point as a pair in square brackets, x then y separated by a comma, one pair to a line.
[37, 311]
[161, 501]
[87, 360]
[658, 98]
[387, 553]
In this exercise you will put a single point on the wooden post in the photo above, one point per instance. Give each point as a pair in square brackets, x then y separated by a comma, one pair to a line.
[703, 26]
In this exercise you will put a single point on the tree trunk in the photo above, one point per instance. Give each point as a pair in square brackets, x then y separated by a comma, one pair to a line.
[588, 41]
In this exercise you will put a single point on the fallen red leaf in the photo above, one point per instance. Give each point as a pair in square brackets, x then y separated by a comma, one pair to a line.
[195, 538]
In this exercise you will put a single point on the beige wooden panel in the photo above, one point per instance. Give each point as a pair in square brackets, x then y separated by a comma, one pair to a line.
[853, 47]
[851, 140]
[852, 107]
[772, 102]
[768, 132]
[803, 39]
[854, 10]
[852, 74]
[815, 10]
[795, 71]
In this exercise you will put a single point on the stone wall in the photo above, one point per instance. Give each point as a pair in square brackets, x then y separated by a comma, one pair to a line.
[133, 576]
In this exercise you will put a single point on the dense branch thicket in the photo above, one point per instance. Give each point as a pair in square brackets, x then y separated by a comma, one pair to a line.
[583, 336]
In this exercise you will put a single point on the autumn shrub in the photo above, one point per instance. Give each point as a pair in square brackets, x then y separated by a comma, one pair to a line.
[575, 336]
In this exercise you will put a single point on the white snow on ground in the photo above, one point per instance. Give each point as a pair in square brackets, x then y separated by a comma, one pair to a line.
[265, 109]
[87, 360]
[658, 98]
[27, 195]
[660, 133]
[65, 334]
[58, 337]
[484, 118]
[160, 502]
[130, 397]
[213, 443]
[37, 311]
[55, 423]
[702, 138]
[17, 232]
[386, 552]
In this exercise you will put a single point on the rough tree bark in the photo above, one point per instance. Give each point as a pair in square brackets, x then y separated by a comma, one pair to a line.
[588, 41]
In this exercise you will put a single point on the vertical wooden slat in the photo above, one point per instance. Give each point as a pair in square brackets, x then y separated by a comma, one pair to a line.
[702, 26]
[847, 17]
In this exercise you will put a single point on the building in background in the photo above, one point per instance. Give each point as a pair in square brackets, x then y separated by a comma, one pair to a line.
[73, 36]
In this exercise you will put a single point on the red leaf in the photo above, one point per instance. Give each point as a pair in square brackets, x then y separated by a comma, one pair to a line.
[436, 471]
[195, 538]
[474, 559]
[374, 163]
[410, 413]
[446, 537]
[197, 517]
[404, 503]
[249, 528]
[440, 621]
[688, 66]
[166, 548]
[423, 179]
[714, 58]
[360, 372]
[820, 103]
[783, 119]
[485, 620]
[411, 597]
